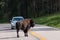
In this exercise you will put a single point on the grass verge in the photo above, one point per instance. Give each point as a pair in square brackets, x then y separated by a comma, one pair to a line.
[53, 20]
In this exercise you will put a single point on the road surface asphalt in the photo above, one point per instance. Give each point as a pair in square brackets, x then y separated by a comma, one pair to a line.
[40, 32]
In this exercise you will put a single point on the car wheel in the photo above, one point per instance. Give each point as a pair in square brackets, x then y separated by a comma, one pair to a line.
[12, 28]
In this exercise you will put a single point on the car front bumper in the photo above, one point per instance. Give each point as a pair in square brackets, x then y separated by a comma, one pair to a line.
[13, 25]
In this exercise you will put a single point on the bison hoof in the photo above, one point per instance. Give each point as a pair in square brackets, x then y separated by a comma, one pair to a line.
[26, 35]
[17, 36]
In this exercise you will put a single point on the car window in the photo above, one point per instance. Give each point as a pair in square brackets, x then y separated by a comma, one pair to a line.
[17, 19]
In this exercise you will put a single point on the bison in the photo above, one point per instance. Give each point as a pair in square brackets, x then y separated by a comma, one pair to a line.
[24, 25]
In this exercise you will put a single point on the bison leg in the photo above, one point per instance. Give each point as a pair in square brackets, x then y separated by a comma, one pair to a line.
[17, 28]
[18, 33]
[26, 32]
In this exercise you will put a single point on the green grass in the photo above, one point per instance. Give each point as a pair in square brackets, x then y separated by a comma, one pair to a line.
[53, 20]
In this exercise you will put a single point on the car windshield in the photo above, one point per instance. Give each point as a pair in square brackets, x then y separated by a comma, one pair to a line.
[17, 19]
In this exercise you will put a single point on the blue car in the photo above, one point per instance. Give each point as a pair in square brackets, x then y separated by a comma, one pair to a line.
[14, 20]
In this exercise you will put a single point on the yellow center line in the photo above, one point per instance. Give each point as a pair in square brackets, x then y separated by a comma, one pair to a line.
[37, 35]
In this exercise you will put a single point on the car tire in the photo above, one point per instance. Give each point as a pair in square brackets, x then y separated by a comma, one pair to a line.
[12, 28]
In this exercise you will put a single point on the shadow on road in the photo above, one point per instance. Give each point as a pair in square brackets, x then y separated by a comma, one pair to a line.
[9, 30]
[44, 29]
[33, 29]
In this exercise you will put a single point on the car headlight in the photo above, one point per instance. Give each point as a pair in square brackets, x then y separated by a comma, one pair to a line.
[12, 23]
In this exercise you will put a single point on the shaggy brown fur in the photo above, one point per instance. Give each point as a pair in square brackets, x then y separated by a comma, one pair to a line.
[24, 25]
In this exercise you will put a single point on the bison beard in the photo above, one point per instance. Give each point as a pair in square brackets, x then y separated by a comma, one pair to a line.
[24, 25]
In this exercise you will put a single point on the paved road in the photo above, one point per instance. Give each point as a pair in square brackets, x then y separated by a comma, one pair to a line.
[7, 34]
[49, 33]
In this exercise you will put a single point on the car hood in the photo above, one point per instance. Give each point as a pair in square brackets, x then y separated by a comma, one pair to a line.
[14, 22]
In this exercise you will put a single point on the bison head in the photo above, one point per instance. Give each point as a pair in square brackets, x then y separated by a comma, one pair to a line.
[32, 23]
